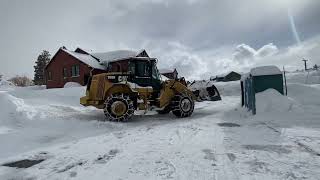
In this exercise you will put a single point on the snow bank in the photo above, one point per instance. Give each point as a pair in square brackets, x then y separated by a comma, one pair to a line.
[231, 88]
[312, 77]
[71, 84]
[271, 100]
[306, 95]
[301, 98]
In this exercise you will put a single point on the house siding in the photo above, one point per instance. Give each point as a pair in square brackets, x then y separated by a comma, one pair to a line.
[64, 60]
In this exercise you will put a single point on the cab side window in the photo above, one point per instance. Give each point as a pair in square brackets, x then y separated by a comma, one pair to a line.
[142, 69]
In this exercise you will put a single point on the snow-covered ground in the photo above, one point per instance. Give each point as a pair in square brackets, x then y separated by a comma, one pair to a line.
[221, 140]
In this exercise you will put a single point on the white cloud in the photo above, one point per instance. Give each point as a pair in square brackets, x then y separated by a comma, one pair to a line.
[244, 52]
[267, 50]
[202, 64]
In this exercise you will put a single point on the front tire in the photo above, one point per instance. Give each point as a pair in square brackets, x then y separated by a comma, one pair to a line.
[118, 107]
[183, 105]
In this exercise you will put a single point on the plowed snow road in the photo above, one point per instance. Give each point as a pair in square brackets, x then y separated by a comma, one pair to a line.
[219, 141]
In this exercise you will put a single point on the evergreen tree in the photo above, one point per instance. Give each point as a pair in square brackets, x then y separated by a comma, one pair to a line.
[41, 63]
[315, 67]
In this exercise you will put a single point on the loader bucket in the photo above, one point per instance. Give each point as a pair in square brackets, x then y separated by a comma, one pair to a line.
[209, 93]
[213, 93]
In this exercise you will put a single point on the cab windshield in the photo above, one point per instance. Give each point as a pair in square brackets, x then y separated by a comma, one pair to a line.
[155, 71]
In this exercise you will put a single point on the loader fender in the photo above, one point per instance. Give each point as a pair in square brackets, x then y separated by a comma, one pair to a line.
[170, 89]
[117, 89]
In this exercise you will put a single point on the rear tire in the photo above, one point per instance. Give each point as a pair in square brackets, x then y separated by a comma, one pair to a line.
[183, 105]
[118, 107]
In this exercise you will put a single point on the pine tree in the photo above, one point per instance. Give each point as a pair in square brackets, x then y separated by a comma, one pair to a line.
[315, 67]
[41, 63]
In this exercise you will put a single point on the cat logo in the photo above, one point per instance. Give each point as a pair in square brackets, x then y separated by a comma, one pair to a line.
[122, 78]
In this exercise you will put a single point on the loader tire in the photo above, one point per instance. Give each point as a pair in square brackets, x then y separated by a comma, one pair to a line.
[183, 105]
[118, 107]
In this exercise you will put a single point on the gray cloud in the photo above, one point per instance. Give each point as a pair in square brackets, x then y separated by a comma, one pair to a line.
[191, 35]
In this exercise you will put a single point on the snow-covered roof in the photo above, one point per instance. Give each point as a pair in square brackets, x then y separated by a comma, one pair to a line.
[222, 75]
[87, 59]
[165, 71]
[265, 70]
[110, 56]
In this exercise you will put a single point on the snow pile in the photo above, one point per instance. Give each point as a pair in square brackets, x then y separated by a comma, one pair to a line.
[31, 118]
[271, 101]
[72, 84]
[231, 88]
[312, 77]
[306, 95]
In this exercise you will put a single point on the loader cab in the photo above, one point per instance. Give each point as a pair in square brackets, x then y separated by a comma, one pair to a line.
[144, 72]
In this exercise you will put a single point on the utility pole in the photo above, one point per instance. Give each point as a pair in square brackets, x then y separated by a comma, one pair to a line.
[305, 64]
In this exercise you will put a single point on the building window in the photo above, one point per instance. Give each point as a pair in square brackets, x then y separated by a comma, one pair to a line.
[49, 75]
[65, 72]
[75, 71]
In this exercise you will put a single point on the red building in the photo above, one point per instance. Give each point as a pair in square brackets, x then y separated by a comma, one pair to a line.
[169, 73]
[76, 66]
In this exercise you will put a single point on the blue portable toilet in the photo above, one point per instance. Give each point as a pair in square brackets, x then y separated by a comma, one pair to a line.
[258, 80]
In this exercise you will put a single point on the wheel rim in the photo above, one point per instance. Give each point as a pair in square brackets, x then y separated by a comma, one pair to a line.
[118, 108]
[186, 105]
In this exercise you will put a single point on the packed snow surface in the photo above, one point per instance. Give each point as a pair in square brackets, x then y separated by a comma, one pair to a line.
[221, 140]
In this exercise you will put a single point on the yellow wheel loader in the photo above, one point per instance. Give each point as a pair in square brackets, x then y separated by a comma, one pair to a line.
[136, 85]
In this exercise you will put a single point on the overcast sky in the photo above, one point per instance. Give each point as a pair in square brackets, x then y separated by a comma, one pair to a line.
[199, 37]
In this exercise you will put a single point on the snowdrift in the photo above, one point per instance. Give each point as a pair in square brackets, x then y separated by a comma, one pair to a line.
[231, 88]
[312, 77]
[305, 94]
[271, 101]
[32, 117]
[72, 84]
[301, 98]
